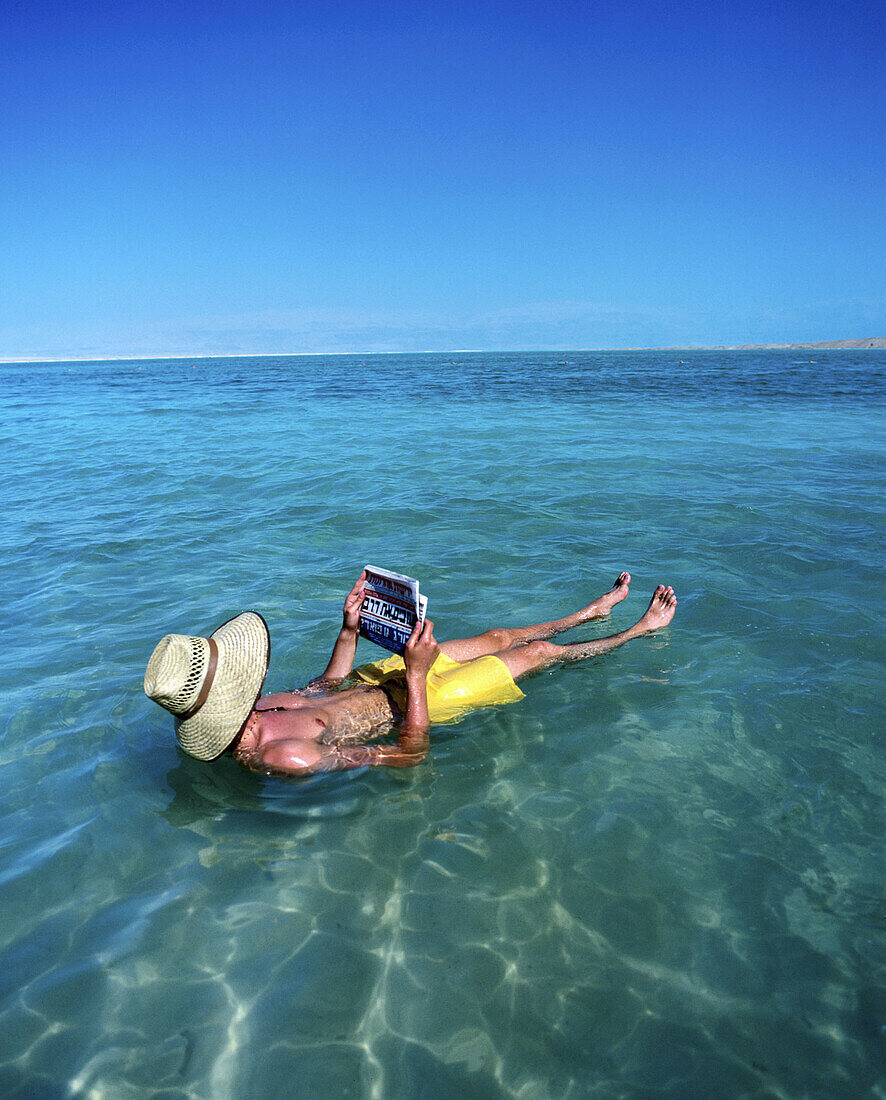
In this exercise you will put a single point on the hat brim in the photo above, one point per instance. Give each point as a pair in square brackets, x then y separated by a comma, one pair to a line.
[244, 653]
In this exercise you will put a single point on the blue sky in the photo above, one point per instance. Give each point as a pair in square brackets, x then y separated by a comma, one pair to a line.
[267, 177]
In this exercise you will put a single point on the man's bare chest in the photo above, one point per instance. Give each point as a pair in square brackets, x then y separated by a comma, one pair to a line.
[330, 717]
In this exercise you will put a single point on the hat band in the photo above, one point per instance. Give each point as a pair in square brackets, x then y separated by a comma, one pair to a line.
[207, 682]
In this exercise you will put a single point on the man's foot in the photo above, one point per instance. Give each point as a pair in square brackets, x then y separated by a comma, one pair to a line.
[660, 611]
[600, 608]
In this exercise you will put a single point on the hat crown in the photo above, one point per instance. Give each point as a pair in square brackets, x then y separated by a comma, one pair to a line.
[176, 670]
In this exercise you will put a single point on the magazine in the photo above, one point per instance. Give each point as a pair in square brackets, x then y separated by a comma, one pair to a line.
[391, 608]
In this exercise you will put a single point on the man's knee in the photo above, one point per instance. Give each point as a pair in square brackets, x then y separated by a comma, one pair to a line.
[523, 660]
[498, 639]
[541, 651]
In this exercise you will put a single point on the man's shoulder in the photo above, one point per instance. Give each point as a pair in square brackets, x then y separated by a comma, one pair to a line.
[287, 757]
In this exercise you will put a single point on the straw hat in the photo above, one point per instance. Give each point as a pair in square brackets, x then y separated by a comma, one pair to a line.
[210, 684]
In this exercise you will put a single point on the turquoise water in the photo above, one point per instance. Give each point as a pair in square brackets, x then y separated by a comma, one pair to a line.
[659, 875]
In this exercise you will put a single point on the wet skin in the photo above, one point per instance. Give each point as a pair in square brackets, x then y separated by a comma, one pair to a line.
[325, 727]
[320, 714]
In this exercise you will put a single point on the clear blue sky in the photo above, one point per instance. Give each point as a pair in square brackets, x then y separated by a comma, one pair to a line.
[223, 177]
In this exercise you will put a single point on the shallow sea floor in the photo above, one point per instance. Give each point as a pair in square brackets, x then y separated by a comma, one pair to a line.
[660, 874]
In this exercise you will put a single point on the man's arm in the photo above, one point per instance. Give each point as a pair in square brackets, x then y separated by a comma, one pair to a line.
[342, 660]
[300, 758]
[309, 757]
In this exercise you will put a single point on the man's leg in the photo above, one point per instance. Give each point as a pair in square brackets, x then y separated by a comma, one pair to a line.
[504, 638]
[536, 655]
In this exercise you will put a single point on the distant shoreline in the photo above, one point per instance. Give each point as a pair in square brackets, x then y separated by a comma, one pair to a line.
[872, 343]
[875, 342]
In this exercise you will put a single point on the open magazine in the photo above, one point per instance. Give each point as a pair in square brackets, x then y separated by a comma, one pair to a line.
[391, 609]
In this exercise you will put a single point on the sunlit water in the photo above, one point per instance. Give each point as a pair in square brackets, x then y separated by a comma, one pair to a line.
[660, 874]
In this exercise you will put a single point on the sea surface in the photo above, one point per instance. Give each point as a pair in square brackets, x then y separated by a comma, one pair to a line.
[659, 875]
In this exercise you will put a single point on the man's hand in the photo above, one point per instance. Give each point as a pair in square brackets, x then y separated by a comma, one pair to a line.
[420, 653]
[421, 649]
[342, 660]
[353, 604]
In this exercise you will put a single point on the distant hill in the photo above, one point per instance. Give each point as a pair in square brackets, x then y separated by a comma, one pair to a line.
[866, 342]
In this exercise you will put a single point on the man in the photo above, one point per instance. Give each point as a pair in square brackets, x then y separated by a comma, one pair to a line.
[212, 686]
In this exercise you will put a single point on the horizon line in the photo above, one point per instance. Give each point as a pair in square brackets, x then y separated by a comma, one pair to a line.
[869, 343]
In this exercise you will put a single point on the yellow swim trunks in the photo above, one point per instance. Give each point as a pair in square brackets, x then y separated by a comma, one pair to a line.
[454, 688]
